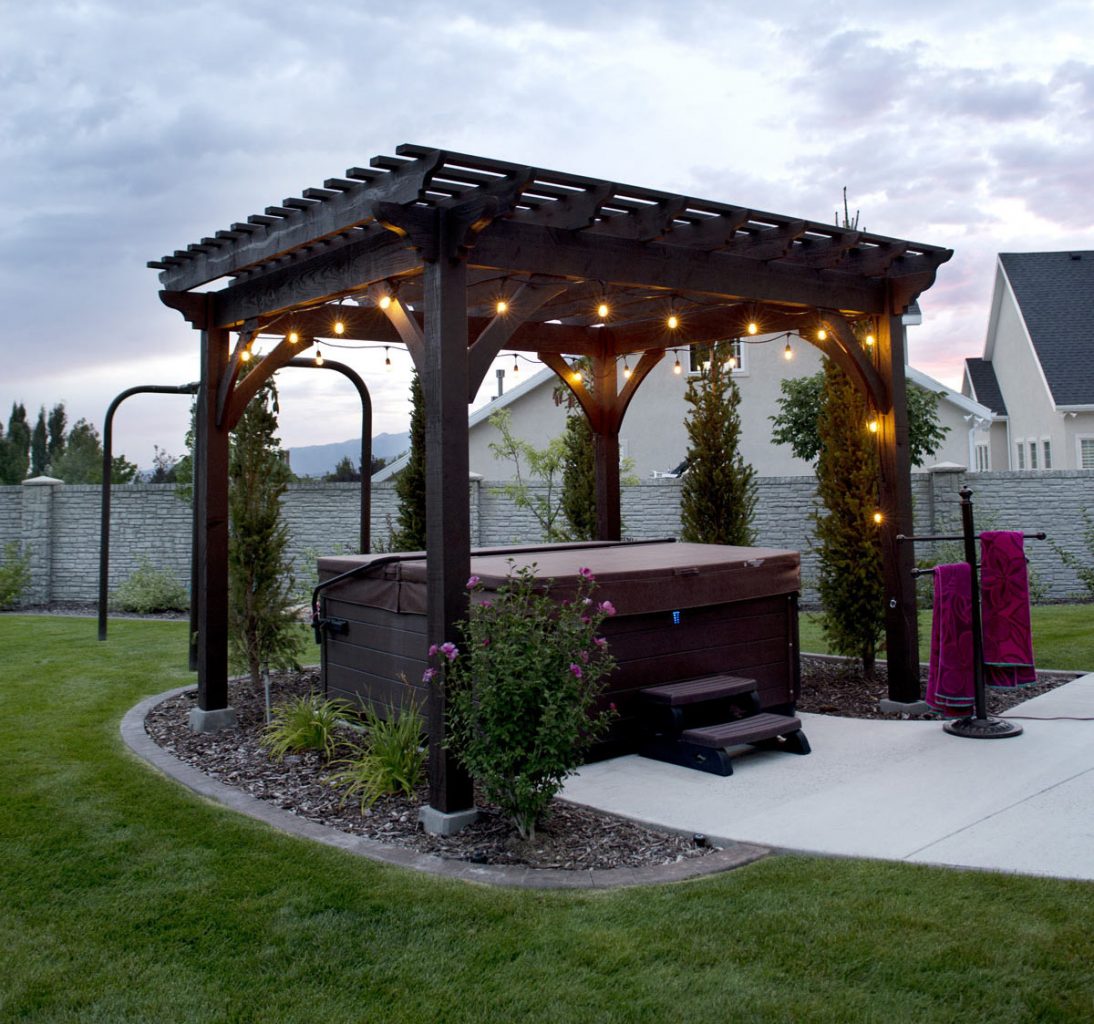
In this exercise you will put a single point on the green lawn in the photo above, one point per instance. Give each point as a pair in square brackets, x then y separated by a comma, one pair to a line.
[125, 898]
[1063, 635]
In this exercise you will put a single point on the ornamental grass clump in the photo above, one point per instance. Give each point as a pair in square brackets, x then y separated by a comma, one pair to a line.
[304, 723]
[522, 686]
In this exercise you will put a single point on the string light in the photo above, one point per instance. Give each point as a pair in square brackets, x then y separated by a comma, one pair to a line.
[339, 327]
[873, 425]
[822, 334]
[676, 367]
[294, 338]
[387, 358]
[672, 322]
[516, 364]
[603, 310]
[385, 301]
[502, 307]
[870, 341]
[878, 517]
[788, 352]
[318, 358]
[753, 327]
[626, 369]
[245, 356]
[575, 375]
[731, 362]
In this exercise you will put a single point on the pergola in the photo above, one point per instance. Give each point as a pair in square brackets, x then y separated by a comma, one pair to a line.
[458, 256]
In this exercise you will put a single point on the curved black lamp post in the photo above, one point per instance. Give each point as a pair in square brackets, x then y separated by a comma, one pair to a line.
[190, 389]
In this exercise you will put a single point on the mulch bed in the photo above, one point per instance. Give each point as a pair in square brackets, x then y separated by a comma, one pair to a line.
[572, 838]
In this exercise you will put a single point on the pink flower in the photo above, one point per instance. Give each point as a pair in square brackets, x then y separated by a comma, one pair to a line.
[433, 649]
[584, 655]
[450, 650]
[486, 642]
[576, 669]
[487, 604]
[586, 619]
[428, 674]
[473, 582]
[585, 573]
[587, 601]
[606, 607]
[612, 708]
[600, 642]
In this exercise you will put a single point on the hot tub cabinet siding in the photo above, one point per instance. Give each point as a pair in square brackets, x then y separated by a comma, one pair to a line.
[682, 611]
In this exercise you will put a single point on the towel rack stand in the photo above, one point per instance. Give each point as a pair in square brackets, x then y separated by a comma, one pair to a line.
[979, 725]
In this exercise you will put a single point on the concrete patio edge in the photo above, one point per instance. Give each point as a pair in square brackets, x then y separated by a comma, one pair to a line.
[144, 747]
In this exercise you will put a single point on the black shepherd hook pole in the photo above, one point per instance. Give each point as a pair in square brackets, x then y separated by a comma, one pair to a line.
[108, 462]
[979, 725]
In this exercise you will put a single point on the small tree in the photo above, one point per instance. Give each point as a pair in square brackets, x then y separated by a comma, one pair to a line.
[56, 424]
[39, 445]
[409, 533]
[15, 447]
[345, 472]
[82, 459]
[164, 467]
[262, 628]
[579, 477]
[531, 464]
[718, 495]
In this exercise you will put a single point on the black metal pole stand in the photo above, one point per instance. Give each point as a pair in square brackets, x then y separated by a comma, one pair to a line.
[979, 725]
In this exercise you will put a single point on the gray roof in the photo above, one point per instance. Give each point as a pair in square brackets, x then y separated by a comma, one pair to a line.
[1055, 292]
[985, 388]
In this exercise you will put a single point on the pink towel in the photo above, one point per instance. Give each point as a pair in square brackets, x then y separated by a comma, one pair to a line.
[1008, 636]
[950, 680]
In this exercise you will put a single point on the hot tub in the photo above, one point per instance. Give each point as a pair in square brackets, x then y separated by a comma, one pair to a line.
[683, 611]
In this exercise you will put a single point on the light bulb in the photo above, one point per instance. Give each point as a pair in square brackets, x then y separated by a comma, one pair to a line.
[788, 352]
[870, 340]
[318, 358]
[602, 310]
[873, 425]
[673, 321]
[822, 334]
[575, 376]
[752, 327]
[502, 307]
[245, 356]
[385, 301]
[387, 358]
[731, 363]
[516, 365]
[294, 338]
[676, 367]
[626, 370]
[878, 517]
[339, 327]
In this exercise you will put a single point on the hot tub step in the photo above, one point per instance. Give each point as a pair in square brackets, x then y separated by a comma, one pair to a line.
[704, 749]
[694, 691]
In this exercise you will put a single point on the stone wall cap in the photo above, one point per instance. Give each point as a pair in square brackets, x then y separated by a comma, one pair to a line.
[947, 467]
[42, 481]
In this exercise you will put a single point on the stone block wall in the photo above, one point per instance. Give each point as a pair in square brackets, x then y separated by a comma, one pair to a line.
[59, 524]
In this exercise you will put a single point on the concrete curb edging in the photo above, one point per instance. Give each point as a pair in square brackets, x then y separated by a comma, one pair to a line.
[140, 743]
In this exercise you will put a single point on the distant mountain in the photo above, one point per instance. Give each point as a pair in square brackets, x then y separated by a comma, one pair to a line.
[320, 459]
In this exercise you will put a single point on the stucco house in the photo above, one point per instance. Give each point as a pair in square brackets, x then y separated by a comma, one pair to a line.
[1036, 373]
[653, 436]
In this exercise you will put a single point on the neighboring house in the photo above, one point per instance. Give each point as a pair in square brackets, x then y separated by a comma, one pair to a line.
[653, 436]
[1036, 373]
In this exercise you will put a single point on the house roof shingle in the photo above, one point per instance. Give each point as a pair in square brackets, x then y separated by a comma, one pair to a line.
[1055, 292]
[985, 387]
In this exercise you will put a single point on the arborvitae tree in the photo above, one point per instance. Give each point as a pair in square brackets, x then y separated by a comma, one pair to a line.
[262, 629]
[409, 534]
[849, 543]
[57, 423]
[579, 477]
[718, 496]
[39, 445]
[15, 447]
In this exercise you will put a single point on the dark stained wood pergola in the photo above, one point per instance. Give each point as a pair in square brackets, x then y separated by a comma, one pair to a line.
[458, 256]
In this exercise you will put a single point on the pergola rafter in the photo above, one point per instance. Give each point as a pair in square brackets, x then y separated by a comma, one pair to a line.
[444, 235]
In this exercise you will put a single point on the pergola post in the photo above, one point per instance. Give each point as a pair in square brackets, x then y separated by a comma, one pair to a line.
[605, 424]
[211, 514]
[444, 373]
[895, 492]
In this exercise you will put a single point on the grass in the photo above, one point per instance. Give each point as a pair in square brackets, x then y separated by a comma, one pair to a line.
[125, 898]
[1063, 635]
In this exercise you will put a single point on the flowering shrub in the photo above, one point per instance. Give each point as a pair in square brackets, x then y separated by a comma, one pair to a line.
[522, 685]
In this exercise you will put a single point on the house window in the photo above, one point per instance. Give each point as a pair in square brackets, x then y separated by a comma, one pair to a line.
[983, 458]
[1021, 454]
[1033, 455]
[1048, 453]
[1086, 452]
[699, 354]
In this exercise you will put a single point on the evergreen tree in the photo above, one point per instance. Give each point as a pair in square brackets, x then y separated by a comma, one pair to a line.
[82, 459]
[409, 534]
[15, 447]
[849, 544]
[718, 495]
[344, 473]
[262, 630]
[579, 477]
[57, 424]
[39, 446]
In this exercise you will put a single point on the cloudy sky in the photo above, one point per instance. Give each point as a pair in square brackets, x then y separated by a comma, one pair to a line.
[131, 128]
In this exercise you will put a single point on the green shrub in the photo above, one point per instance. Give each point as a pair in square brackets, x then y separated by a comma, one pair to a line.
[150, 590]
[1081, 568]
[304, 723]
[391, 759]
[523, 690]
[14, 574]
